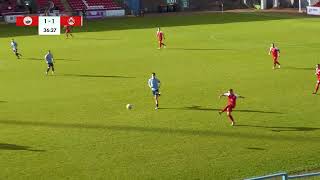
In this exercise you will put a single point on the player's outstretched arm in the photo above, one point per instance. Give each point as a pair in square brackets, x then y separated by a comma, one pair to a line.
[224, 94]
[270, 51]
[238, 96]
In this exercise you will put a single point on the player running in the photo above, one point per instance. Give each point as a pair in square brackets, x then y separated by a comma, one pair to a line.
[160, 36]
[275, 52]
[49, 59]
[232, 98]
[14, 46]
[68, 31]
[154, 84]
[318, 75]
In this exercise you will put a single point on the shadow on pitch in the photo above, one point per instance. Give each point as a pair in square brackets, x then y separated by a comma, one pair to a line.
[93, 76]
[97, 39]
[298, 68]
[14, 147]
[151, 21]
[59, 59]
[201, 49]
[199, 108]
[282, 128]
[161, 130]
[255, 148]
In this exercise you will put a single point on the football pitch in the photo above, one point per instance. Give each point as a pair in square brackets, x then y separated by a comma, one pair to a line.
[74, 124]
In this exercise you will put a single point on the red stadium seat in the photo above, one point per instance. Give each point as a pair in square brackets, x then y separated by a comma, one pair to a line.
[42, 4]
[317, 4]
[76, 4]
[8, 6]
[94, 4]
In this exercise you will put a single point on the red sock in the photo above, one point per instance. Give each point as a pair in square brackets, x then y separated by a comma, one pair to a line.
[231, 118]
[317, 87]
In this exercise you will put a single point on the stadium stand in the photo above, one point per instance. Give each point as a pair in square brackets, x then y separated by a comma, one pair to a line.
[76, 4]
[44, 4]
[93, 4]
[8, 6]
[317, 4]
[104, 4]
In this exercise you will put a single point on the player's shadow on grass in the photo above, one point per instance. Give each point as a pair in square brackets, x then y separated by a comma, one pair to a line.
[298, 68]
[199, 108]
[95, 76]
[4, 146]
[201, 49]
[97, 39]
[140, 129]
[58, 59]
[255, 148]
[281, 128]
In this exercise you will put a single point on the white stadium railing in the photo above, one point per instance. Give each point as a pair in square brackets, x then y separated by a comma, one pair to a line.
[285, 176]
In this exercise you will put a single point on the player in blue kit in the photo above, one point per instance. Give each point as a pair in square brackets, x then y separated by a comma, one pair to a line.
[49, 59]
[14, 46]
[154, 84]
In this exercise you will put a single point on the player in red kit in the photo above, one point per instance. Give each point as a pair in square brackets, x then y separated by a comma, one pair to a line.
[275, 52]
[318, 75]
[160, 36]
[232, 99]
[68, 31]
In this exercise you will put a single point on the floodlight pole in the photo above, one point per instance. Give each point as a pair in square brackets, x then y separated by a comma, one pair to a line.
[276, 3]
[222, 7]
[300, 10]
[263, 4]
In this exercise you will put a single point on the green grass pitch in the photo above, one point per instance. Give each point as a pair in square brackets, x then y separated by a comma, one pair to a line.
[74, 125]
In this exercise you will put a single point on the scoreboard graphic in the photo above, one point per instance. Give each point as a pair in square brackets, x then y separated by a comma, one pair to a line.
[49, 25]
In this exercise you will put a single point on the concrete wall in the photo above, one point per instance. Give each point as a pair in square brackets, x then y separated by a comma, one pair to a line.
[153, 5]
[215, 4]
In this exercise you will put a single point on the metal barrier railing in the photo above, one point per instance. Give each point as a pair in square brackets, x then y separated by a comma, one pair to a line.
[304, 175]
[285, 176]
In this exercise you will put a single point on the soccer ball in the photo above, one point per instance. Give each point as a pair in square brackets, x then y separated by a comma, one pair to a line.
[129, 106]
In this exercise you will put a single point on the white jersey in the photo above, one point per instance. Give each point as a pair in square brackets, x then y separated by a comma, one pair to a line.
[14, 45]
[228, 94]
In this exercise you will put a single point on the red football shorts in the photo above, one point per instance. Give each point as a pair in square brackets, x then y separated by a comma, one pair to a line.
[229, 108]
[275, 59]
